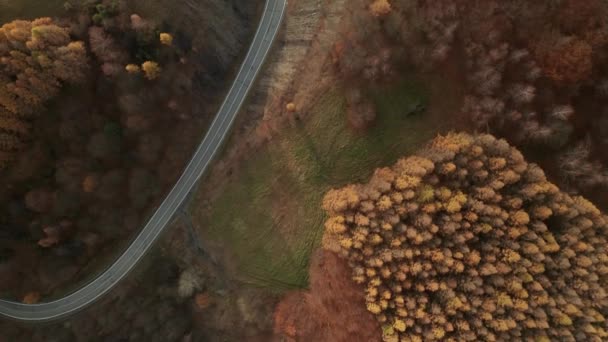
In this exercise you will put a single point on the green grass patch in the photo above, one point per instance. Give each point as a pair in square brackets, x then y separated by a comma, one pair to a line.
[270, 217]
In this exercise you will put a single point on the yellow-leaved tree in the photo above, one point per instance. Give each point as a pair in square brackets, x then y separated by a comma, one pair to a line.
[36, 59]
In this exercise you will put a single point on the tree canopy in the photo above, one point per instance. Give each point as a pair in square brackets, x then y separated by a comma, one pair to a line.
[468, 241]
[36, 59]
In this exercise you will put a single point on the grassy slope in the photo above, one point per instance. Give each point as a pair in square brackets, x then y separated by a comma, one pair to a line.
[29, 9]
[271, 217]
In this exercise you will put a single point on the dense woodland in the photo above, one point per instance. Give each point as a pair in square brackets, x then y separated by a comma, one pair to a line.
[180, 297]
[99, 112]
[466, 241]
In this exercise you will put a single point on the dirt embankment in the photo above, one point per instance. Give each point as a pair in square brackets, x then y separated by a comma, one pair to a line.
[296, 72]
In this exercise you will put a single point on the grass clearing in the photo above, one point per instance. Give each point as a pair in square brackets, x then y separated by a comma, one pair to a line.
[270, 217]
[29, 9]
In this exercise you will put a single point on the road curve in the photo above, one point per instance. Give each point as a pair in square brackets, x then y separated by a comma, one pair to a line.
[268, 28]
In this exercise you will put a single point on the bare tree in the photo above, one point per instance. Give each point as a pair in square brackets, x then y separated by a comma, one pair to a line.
[563, 112]
[577, 167]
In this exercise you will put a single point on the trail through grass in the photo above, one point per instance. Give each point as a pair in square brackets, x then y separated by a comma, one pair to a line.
[270, 217]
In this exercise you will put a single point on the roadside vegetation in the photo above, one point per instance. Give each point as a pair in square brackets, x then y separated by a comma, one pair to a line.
[101, 106]
[465, 240]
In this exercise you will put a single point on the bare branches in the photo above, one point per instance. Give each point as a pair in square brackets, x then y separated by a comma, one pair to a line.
[563, 112]
[577, 167]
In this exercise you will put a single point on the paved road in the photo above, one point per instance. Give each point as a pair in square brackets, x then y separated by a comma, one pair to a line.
[262, 42]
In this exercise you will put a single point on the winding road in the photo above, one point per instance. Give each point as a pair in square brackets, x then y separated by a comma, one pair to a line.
[268, 28]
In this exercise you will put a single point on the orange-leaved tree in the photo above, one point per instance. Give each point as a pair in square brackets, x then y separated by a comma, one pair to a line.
[36, 59]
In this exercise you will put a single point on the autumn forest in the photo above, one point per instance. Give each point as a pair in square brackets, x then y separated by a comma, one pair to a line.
[402, 170]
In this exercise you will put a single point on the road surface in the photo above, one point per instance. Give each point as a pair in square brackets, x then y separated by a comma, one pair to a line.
[267, 30]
